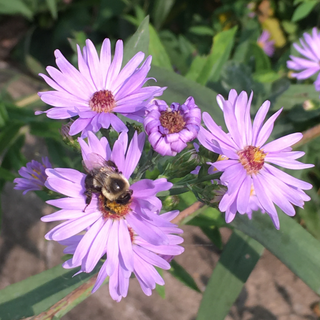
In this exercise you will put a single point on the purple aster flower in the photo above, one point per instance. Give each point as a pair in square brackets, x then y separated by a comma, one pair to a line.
[310, 63]
[251, 180]
[98, 89]
[111, 228]
[146, 257]
[170, 128]
[33, 176]
[266, 44]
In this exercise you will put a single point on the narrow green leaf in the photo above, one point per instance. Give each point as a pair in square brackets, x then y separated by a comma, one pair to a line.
[196, 67]
[34, 65]
[138, 42]
[161, 289]
[266, 76]
[201, 30]
[160, 57]
[6, 175]
[161, 8]
[180, 88]
[52, 5]
[262, 61]
[237, 261]
[292, 244]
[8, 135]
[220, 52]
[214, 235]
[15, 7]
[37, 293]
[181, 274]
[46, 129]
[303, 10]
[3, 114]
[296, 94]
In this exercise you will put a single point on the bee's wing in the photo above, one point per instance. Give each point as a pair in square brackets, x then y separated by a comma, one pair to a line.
[96, 163]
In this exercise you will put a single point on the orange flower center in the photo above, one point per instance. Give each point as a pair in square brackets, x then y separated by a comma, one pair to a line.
[102, 101]
[252, 159]
[172, 120]
[112, 209]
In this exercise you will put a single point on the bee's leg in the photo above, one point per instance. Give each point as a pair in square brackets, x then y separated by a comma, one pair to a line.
[88, 182]
[88, 195]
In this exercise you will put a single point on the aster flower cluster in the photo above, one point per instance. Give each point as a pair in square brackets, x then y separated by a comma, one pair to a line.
[108, 212]
[309, 65]
[266, 44]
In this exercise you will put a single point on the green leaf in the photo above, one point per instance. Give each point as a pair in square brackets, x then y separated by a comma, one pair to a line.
[214, 235]
[46, 129]
[13, 158]
[15, 7]
[237, 261]
[262, 61]
[180, 88]
[292, 244]
[220, 52]
[138, 42]
[303, 10]
[37, 293]
[8, 135]
[6, 175]
[266, 76]
[161, 289]
[52, 5]
[160, 11]
[201, 30]
[3, 114]
[196, 67]
[160, 57]
[34, 65]
[296, 94]
[181, 274]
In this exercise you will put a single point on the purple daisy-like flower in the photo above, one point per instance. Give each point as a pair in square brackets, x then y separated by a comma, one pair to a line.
[111, 228]
[266, 44]
[310, 63]
[170, 128]
[247, 170]
[33, 176]
[146, 257]
[99, 89]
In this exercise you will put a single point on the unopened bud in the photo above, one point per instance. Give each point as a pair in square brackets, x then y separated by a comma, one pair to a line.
[170, 202]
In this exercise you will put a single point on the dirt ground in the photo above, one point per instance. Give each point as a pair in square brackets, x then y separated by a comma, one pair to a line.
[272, 291]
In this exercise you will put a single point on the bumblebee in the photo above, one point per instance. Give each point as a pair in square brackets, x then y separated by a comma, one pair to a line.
[103, 177]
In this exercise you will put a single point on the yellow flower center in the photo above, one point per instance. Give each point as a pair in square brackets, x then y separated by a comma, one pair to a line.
[112, 209]
[172, 120]
[252, 159]
[102, 101]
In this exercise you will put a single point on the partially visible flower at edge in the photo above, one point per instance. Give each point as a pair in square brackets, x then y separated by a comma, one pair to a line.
[170, 128]
[33, 176]
[98, 89]
[247, 171]
[266, 44]
[130, 235]
[310, 63]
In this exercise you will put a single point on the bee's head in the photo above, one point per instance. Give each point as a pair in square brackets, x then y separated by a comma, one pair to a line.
[125, 197]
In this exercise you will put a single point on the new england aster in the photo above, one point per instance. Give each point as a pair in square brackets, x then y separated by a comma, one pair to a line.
[33, 176]
[251, 180]
[133, 236]
[265, 43]
[99, 89]
[170, 128]
[310, 63]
